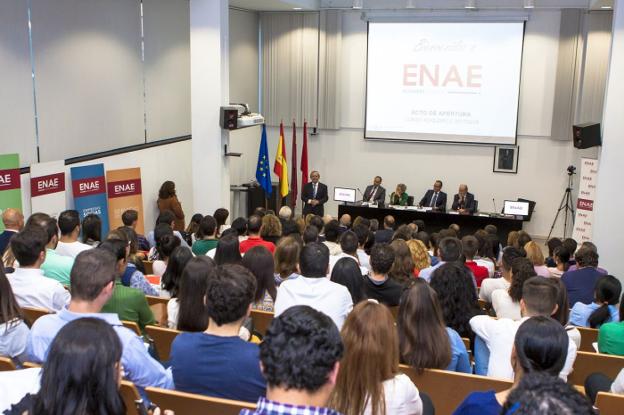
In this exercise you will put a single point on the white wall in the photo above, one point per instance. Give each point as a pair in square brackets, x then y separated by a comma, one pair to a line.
[609, 197]
[344, 158]
[167, 162]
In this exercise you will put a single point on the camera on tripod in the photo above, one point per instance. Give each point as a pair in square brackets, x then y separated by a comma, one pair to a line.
[571, 170]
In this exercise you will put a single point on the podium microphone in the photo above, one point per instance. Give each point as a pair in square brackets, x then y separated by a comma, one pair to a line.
[361, 194]
[494, 202]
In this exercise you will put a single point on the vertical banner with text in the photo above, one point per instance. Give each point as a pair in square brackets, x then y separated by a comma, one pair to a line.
[89, 190]
[47, 187]
[584, 219]
[10, 184]
[124, 192]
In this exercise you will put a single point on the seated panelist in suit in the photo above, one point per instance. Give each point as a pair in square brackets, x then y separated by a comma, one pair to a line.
[463, 202]
[399, 197]
[375, 192]
[314, 195]
[435, 198]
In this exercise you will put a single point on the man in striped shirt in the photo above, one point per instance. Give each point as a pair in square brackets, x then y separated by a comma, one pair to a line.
[299, 358]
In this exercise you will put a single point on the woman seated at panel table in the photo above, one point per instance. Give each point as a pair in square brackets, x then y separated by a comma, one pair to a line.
[399, 197]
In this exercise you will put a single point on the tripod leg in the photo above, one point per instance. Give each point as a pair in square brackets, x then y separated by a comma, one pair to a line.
[562, 206]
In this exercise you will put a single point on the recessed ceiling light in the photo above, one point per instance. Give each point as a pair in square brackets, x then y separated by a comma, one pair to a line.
[529, 4]
[410, 4]
[470, 4]
[358, 4]
[297, 8]
[606, 7]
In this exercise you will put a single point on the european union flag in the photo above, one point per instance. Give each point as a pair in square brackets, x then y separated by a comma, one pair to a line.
[263, 171]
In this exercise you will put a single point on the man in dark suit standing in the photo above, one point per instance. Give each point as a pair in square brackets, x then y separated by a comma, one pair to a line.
[435, 199]
[13, 221]
[463, 202]
[314, 195]
[375, 193]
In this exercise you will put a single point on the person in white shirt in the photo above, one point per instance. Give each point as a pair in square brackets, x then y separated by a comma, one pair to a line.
[331, 231]
[363, 234]
[30, 287]
[68, 244]
[348, 245]
[371, 360]
[488, 285]
[506, 303]
[313, 288]
[15, 384]
[539, 298]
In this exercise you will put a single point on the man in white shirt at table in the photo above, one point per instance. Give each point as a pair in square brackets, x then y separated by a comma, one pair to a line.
[539, 298]
[313, 288]
[69, 225]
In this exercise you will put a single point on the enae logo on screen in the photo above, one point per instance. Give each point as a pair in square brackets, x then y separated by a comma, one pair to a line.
[124, 188]
[442, 76]
[90, 186]
[45, 185]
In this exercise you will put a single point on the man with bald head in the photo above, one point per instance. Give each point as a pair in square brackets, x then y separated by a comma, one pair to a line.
[13, 221]
[463, 201]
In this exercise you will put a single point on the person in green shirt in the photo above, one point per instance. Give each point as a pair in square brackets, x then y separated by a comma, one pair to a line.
[611, 335]
[399, 197]
[207, 236]
[55, 266]
[128, 303]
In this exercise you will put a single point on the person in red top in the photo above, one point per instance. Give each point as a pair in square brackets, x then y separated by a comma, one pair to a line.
[470, 245]
[253, 230]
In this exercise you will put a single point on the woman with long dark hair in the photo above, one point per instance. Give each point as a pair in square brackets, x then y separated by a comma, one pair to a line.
[506, 303]
[228, 251]
[369, 380]
[81, 375]
[259, 261]
[347, 272]
[603, 310]
[221, 215]
[13, 329]
[561, 257]
[540, 346]
[402, 270]
[190, 315]
[92, 230]
[425, 341]
[562, 314]
[286, 259]
[168, 200]
[170, 281]
[456, 291]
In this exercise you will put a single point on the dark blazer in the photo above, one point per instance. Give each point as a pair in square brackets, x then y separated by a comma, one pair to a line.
[440, 204]
[469, 203]
[580, 284]
[321, 195]
[380, 195]
[5, 237]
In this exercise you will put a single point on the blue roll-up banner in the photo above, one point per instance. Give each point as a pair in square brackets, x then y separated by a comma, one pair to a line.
[89, 190]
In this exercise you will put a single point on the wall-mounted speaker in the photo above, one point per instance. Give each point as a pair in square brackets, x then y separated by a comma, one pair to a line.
[587, 135]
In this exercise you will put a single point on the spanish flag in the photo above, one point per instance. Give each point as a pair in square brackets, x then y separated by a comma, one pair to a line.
[280, 168]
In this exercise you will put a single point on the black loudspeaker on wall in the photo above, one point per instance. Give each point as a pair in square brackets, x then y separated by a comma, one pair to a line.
[587, 135]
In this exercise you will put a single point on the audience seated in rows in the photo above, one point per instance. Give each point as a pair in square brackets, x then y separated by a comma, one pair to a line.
[603, 309]
[259, 261]
[313, 288]
[206, 236]
[450, 250]
[470, 246]
[131, 276]
[254, 225]
[216, 362]
[13, 222]
[347, 272]
[378, 285]
[69, 225]
[425, 341]
[30, 287]
[581, 282]
[286, 259]
[55, 266]
[489, 285]
[506, 303]
[92, 284]
[539, 298]
[300, 356]
[540, 345]
[369, 380]
[611, 335]
[127, 303]
[13, 329]
[456, 291]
